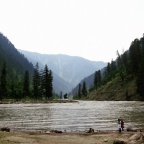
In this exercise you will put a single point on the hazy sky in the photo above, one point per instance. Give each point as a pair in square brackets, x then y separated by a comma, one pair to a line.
[92, 29]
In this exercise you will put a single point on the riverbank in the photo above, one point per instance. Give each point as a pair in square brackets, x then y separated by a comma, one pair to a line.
[11, 101]
[100, 137]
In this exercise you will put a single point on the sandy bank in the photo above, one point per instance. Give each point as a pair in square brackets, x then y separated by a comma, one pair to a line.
[103, 137]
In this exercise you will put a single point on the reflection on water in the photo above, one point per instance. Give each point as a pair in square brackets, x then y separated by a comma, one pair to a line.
[100, 115]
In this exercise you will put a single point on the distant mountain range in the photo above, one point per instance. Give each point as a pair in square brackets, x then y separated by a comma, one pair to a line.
[68, 71]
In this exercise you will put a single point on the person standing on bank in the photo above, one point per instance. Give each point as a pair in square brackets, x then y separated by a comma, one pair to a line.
[119, 125]
[122, 124]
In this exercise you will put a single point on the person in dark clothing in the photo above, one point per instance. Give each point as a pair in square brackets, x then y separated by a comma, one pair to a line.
[122, 124]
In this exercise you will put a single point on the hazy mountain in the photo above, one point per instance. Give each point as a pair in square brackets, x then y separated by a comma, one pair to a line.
[60, 85]
[71, 69]
[17, 64]
[89, 82]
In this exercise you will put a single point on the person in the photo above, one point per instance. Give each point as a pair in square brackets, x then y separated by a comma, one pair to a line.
[122, 124]
[119, 125]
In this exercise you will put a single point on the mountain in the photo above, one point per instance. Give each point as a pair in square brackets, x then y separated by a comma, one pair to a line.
[72, 69]
[16, 63]
[60, 85]
[89, 82]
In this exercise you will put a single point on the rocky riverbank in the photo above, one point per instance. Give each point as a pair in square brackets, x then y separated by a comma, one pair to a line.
[54, 137]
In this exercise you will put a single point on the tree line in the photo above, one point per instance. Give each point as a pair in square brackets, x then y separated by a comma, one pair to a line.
[82, 91]
[39, 88]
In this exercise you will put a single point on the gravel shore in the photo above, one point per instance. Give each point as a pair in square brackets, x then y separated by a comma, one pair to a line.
[101, 137]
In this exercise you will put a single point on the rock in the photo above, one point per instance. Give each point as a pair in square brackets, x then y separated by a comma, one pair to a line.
[142, 130]
[6, 129]
[137, 137]
[47, 132]
[105, 140]
[119, 142]
[131, 129]
[56, 131]
[91, 130]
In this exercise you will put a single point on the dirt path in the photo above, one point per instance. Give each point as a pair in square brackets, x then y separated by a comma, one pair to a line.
[64, 138]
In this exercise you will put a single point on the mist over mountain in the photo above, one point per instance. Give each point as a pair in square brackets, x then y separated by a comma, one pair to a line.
[70, 69]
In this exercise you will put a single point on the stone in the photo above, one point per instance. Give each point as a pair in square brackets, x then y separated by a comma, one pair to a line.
[6, 129]
[137, 136]
[119, 142]
[47, 132]
[91, 130]
[105, 140]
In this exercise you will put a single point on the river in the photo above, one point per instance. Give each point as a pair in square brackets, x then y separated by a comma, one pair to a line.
[79, 116]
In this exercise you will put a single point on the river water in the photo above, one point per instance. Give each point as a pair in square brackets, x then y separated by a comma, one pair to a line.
[79, 116]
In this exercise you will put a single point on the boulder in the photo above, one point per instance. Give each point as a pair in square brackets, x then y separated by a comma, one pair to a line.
[131, 129]
[56, 131]
[105, 140]
[119, 142]
[47, 132]
[6, 129]
[91, 130]
[139, 137]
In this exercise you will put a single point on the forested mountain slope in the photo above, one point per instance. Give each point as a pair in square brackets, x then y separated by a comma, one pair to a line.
[16, 63]
[13, 66]
[122, 79]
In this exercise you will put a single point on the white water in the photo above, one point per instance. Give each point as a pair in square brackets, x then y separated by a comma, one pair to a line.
[99, 115]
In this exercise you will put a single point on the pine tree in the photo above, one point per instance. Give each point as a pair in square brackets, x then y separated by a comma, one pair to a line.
[84, 89]
[13, 92]
[113, 65]
[97, 78]
[26, 84]
[108, 68]
[47, 82]
[79, 91]
[125, 61]
[3, 84]
[140, 76]
[36, 82]
[135, 56]
[50, 84]
[140, 82]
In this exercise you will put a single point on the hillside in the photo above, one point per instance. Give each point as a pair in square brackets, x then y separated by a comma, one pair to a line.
[116, 90]
[122, 79]
[13, 66]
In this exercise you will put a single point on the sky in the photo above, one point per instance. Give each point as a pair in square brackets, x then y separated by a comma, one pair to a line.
[92, 29]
